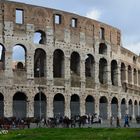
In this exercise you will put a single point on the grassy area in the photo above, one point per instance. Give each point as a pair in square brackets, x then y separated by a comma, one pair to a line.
[73, 134]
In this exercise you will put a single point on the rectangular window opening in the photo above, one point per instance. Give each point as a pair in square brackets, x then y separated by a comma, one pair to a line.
[102, 33]
[74, 22]
[19, 16]
[57, 19]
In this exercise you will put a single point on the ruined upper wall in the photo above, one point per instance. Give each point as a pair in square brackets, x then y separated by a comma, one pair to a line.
[42, 17]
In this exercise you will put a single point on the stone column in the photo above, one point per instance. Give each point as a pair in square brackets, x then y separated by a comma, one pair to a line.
[119, 110]
[137, 74]
[67, 72]
[109, 112]
[67, 106]
[30, 107]
[96, 73]
[82, 74]
[132, 76]
[133, 113]
[82, 106]
[127, 108]
[8, 107]
[8, 67]
[108, 73]
[50, 107]
[119, 74]
[97, 102]
[126, 74]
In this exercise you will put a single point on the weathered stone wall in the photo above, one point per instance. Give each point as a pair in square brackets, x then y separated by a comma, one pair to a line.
[84, 39]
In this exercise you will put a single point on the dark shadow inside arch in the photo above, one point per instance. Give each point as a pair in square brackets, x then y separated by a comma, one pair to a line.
[130, 104]
[39, 63]
[136, 108]
[114, 107]
[75, 105]
[123, 74]
[114, 73]
[102, 48]
[58, 63]
[19, 105]
[123, 108]
[90, 105]
[103, 71]
[103, 107]
[1, 105]
[59, 105]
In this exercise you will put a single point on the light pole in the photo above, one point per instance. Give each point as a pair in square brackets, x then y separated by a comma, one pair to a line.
[39, 88]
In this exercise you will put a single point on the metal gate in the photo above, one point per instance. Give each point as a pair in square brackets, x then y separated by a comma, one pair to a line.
[103, 110]
[58, 108]
[136, 110]
[130, 110]
[40, 109]
[75, 108]
[90, 108]
[123, 110]
[19, 109]
[114, 110]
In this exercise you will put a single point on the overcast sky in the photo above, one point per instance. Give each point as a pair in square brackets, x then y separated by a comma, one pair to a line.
[123, 14]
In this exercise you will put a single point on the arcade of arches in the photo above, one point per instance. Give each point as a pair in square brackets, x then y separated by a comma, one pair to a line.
[72, 105]
[54, 68]
[107, 107]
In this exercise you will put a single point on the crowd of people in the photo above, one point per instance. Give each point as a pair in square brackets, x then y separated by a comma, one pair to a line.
[61, 121]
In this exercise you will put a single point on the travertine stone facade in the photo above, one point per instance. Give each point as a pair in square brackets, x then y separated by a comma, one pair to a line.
[77, 67]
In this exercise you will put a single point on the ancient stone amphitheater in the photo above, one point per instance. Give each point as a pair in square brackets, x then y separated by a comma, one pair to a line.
[71, 65]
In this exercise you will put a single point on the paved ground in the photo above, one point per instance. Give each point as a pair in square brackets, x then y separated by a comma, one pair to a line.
[104, 124]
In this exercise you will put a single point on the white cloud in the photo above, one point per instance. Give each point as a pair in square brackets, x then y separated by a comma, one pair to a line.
[134, 47]
[94, 14]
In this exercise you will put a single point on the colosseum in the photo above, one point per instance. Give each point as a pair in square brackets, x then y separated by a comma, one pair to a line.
[71, 65]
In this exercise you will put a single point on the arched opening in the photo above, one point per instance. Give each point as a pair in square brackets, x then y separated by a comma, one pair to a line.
[39, 63]
[90, 105]
[58, 105]
[58, 63]
[39, 37]
[135, 76]
[103, 107]
[123, 108]
[75, 105]
[75, 63]
[89, 66]
[40, 105]
[130, 104]
[19, 56]
[103, 71]
[136, 108]
[20, 65]
[123, 74]
[19, 105]
[1, 105]
[114, 73]
[129, 74]
[89, 71]
[114, 107]
[75, 69]
[2, 57]
[102, 48]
